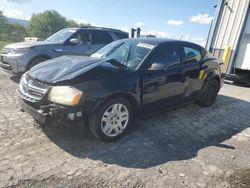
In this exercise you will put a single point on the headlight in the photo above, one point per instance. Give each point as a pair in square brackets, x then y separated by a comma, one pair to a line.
[19, 50]
[65, 95]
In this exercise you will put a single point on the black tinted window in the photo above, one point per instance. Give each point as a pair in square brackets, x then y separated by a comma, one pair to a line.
[192, 54]
[121, 35]
[168, 54]
[101, 37]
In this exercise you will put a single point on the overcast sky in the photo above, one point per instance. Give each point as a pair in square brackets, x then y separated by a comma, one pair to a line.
[164, 18]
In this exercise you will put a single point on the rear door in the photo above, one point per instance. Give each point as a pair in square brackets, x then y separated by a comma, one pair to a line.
[165, 87]
[191, 60]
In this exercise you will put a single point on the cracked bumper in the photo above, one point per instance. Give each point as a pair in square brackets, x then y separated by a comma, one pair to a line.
[36, 114]
[53, 113]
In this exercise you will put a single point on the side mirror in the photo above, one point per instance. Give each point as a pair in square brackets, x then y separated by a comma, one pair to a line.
[157, 66]
[74, 41]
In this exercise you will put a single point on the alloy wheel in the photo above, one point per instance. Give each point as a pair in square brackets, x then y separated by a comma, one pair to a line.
[115, 120]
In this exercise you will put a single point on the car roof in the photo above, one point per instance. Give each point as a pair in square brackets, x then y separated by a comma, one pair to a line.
[150, 40]
[97, 28]
[157, 41]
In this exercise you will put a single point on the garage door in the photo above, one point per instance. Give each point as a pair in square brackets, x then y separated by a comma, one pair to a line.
[243, 57]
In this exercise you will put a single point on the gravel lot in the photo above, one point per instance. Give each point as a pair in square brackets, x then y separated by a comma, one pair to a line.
[189, 146]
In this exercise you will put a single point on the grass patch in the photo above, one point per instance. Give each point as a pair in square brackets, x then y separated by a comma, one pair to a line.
[2, 44]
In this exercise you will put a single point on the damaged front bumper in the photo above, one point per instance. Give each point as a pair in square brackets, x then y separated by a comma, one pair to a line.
[53, 113]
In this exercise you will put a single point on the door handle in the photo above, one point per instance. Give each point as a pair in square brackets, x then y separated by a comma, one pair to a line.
[58, 50]
[163, 78]
[182, 72]
[187, 78]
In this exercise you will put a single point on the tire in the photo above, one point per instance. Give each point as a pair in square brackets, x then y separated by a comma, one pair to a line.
[37, 61]
[210, 94]
[112, 120]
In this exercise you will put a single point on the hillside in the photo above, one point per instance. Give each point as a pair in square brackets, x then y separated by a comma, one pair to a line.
[24, 23]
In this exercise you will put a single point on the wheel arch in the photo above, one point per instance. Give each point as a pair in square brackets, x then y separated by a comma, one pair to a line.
[37, 57]
[211, 76]
[135, 103]
[129, 97]
[217, 78]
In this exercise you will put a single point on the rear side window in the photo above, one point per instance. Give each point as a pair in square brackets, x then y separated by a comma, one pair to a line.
[167, 54]
[192, 54]
[101, 37]
[121, 35]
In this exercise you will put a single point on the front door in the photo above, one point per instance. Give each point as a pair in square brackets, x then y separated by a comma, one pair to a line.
[84, 47]
[164, 87]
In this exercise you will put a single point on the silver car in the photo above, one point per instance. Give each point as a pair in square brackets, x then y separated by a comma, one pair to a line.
[20, 57]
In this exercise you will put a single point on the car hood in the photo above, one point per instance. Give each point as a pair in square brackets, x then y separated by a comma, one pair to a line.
[29, 44]
[64, 68]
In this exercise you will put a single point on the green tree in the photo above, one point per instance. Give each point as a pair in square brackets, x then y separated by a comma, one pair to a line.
[44, 24]
[2, 18]
[84, 25]
[4, 26]
[11, 32]
[18, 32]
[72, 23]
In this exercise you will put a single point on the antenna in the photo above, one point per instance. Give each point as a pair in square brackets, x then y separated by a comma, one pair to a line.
[181, 37]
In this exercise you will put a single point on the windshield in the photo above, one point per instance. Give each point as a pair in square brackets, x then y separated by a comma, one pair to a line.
[129, 52]
[61, 35]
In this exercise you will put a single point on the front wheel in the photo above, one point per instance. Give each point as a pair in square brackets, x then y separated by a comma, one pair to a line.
[210, 93]
[112, 120]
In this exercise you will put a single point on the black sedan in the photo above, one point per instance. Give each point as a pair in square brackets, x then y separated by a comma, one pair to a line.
[106, 90]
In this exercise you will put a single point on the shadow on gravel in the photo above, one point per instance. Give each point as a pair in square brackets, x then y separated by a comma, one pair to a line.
[170, 136]
[16, 78]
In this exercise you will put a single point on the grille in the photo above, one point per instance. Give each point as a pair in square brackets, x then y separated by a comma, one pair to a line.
[36, 83]
[6, 50]
[31, 89]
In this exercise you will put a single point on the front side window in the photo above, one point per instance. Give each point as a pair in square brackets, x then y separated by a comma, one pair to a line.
[61, 36]
[167, 55]
[84, 37]
[192, 54]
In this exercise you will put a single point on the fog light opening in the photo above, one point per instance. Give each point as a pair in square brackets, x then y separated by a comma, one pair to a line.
[71, 116]
[74, 115]
[78, 114]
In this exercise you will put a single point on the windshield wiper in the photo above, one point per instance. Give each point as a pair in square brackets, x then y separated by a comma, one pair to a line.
[116, 63]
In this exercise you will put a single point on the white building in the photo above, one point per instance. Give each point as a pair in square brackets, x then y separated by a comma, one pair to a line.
[231, 27]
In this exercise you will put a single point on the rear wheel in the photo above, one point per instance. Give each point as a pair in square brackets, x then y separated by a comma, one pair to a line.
[112, 120]
[210, 93]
